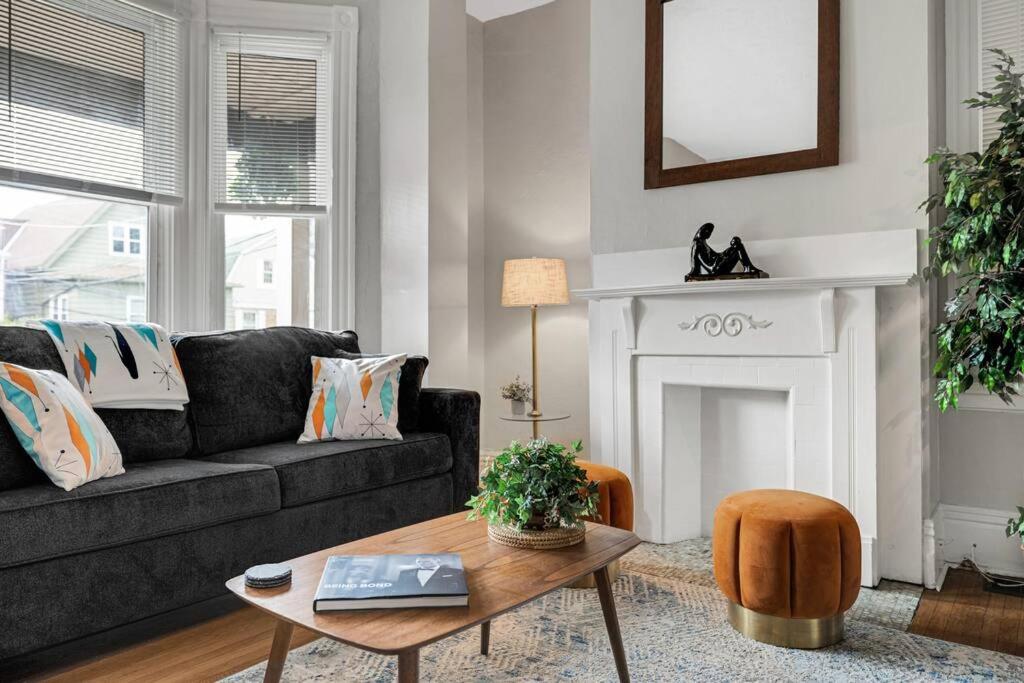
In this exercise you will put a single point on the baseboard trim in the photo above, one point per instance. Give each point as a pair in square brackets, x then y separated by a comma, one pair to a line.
[869, 574]
[931, 567]
[961, 531]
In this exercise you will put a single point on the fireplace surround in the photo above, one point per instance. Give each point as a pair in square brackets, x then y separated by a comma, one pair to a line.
[813, 334]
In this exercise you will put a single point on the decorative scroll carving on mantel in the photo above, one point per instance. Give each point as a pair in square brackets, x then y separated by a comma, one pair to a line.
[731, 323]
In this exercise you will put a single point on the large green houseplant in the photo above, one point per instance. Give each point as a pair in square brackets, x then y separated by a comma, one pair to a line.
[535, 487]
[980, 241]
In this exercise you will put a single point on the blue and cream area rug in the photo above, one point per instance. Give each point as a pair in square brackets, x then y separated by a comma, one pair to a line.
[674, 628]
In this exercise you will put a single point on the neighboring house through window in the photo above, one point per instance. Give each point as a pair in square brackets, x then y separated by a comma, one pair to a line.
[136, 309]
[60, 308]
[250, 319]
[268, 272]
[125, 240]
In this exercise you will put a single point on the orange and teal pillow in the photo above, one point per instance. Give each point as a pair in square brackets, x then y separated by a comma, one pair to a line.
[55, 425]
[353, 399]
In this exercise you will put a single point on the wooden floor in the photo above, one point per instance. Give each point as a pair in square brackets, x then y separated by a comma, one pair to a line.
[962, 612]
[206, 652]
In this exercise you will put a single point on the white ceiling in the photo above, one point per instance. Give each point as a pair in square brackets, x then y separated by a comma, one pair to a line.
[485, 10]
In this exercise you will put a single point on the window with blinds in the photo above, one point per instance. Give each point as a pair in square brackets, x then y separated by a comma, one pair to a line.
[1001, 26]
[89, 98]
[269, 119]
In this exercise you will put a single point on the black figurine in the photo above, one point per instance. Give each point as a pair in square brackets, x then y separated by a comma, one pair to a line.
[709, 264]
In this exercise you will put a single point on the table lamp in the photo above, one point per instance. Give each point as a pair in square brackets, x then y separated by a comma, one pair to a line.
[534, 282]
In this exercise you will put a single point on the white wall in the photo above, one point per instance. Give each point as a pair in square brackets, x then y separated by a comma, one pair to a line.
[448, 260]
[536, 203]
[885, 126]
[425, 234]
[404, 174]
[367, 237]
[475, 196]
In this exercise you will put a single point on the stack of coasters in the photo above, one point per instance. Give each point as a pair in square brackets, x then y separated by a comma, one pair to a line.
[268, 575]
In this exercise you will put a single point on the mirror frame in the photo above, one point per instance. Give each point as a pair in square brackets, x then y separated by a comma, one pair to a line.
[825, 154]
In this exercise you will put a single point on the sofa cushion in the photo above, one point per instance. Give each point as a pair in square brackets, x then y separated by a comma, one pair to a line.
[410, 383]
[57, 427]
[149, 500]
[315, 471]
[140, 434]
[353, 399]
[252, 387]
[32, 349]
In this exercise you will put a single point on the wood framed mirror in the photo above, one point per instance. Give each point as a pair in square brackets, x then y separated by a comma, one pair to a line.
[738, 88]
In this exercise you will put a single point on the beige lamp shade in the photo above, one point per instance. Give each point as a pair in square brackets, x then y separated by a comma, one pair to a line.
[534, 282]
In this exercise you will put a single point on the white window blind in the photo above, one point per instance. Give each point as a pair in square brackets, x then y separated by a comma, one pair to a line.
[1001, 26]
[269, 122]
[89, 98]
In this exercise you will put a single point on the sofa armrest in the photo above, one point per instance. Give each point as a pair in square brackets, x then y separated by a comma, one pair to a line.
[456, 413]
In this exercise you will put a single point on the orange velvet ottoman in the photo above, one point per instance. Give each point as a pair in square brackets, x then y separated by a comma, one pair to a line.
[614, 507]
[789, 562]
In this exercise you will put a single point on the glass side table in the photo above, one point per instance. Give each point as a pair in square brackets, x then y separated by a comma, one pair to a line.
[545, 417]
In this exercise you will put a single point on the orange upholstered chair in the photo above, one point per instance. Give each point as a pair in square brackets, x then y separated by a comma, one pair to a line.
[615, 507]
[789, 562]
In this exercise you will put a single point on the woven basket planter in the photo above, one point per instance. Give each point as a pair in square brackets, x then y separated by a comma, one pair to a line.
[544, 539]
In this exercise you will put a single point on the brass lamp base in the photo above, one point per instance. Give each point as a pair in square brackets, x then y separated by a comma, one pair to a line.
[805, 634]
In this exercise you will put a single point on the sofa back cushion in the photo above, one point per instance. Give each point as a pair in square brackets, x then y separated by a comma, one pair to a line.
[252, 387]
[140, 434]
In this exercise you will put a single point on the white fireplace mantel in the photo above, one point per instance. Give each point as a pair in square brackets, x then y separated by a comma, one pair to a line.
[759, 285]
[810, 331]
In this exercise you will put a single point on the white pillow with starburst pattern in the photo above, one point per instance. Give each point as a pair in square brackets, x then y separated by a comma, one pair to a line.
[353, 399]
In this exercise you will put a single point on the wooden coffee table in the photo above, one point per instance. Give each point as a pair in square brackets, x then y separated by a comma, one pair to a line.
[500, 579]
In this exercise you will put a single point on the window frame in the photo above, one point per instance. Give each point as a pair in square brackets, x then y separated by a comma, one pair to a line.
[964, 132]
[177, 10]
[334, 229]
[184, 241]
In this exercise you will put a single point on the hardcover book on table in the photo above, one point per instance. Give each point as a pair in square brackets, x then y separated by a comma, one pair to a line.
[391, 581]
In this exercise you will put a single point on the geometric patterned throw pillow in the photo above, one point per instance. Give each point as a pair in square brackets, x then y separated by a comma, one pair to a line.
[55, 425]
[353, 399]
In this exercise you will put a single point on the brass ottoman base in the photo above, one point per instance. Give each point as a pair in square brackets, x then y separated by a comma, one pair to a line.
[806, 634]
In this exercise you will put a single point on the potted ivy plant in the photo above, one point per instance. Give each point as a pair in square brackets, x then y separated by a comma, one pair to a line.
[980, 241]
[518, 392]
[534, 495]
[1015, 527]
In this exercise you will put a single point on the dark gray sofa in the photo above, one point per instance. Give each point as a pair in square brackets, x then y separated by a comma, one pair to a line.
[212, 490]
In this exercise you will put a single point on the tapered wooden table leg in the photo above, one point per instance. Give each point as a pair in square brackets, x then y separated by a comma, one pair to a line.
[278, 652]
[611, 621]
[409, 666]
[485, 637]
